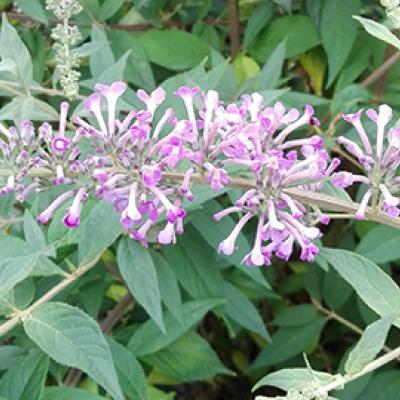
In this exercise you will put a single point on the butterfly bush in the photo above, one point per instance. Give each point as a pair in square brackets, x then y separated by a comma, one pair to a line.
[147, 162]
[379, 163]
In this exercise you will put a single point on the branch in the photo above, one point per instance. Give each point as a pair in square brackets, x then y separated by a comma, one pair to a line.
[21, 316]
[234, 28]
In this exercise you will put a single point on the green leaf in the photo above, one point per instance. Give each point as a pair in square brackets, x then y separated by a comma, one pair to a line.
[288, 342]
[381, 244]
[137, 69]
[272, 69]
[370, 344]
[129, 371]
[148, 339]
[382, 386]
[9, 354]
[337, 26]
[348, 99]
[380, 31]
[190, 358]
[296, 316]
[72, 338]
[298, 30]
[15, 270]
[12, 47]
[25, 380]
[109, 8]
[169, 289]
[22, 109]
[214, 233]
[374, 287]
[138, 270]
[99, 231]
[174, 49]
[245, 68]
[258, 19]
[33, 233]
[294, 378]
[241, 309]
[33, 9]
[68, 393]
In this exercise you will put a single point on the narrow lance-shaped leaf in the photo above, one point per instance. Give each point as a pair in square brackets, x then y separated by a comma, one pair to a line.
[138, 270]
[370, 344]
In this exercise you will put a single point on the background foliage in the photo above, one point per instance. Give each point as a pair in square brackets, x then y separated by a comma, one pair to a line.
[184, 322]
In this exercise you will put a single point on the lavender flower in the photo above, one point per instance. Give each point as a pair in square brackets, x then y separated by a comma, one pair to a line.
[379, 163]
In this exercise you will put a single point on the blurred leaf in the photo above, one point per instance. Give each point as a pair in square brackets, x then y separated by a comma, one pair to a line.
[189, 358]
[245, 68]
[288, 342]
[137, 69]
[22, 109]
[68, 393]
[336, 291]
[148, 338]
[109, 8]
[33, 9]
[257, 21]
[380, 31]
[347, 99]
[12, 47]
[33, 233]
[242, 310]
[296, 316]
[381, 244]
[314, 64]
[72, 338]
[129, 371]
[285, 4]
[337, 26]
[370, 344]
[173, 49]
[294, 378]
[138, 270]
[9, 354]
[272, 69]
[298, 30]
[383, 386]
[25, 380]
[375, 288]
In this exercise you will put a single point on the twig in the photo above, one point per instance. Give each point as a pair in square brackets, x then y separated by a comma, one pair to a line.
[108, 323]
[343, 321]
[382, 70]
[234, 28]
[21, 316]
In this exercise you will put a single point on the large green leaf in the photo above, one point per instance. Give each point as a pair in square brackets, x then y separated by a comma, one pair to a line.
[9, 354]
[288, 342]
[370, 344]
[173, 49]
[99, 231]
[298, 30]
[189, 358]
[374, 286]
[148, 338]
[337, 26]
[13, 48]
[381, 244]
[138, 270]
[68, 393]
[129, 371]
[72, 338]
[383, 386]
[25, 380]
[294, 378]
[272, 69]
[242, 310]
[34, 9]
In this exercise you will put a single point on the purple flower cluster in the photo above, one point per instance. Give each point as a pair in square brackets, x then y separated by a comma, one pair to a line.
[136, 164]
[379, 163]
